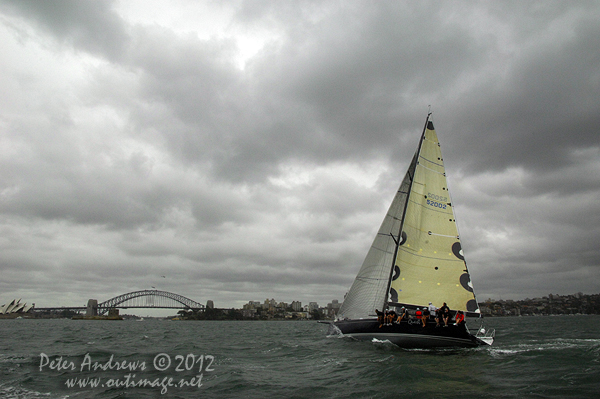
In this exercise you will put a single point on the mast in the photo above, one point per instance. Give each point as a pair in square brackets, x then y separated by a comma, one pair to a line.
[398, 240]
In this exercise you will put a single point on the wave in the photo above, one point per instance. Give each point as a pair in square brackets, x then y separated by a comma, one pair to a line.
[558, 344]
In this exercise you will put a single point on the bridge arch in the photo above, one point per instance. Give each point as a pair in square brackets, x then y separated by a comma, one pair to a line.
[133, 300]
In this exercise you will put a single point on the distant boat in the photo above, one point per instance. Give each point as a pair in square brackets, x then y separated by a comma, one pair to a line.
[416, 259]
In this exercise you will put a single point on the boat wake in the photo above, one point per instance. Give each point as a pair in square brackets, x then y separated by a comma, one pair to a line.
[383, 342]
[559, 344]
[334, 332]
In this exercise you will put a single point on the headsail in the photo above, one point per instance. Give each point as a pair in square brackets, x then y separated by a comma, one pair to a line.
[429, 265]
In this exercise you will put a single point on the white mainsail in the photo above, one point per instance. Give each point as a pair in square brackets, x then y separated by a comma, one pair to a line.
[429, 265]
[368, 292]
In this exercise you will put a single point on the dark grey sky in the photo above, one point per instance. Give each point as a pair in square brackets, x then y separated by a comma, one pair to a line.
[247, 150]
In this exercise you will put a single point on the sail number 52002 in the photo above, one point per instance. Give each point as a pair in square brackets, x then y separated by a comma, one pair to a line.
[436, 204]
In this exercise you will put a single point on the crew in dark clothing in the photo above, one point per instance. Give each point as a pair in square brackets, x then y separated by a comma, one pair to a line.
[391, 317]
[402, 316]
[445, 314]
[425, 316]
[379, 317]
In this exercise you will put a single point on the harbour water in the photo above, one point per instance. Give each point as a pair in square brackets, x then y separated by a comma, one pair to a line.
[533, 357]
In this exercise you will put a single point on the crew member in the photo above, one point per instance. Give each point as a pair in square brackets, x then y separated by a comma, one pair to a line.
[425, 316]
[379, 317]
[445, 313]
[432, 310]
[460, 318]
[403, 315]
[391, 317]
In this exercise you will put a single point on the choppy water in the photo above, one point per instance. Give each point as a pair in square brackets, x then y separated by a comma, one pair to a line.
[533, 357]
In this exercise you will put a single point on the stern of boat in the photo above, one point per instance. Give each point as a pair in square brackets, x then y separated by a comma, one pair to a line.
[486, 336]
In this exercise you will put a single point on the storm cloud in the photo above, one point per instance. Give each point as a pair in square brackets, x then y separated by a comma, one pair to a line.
[247, 150]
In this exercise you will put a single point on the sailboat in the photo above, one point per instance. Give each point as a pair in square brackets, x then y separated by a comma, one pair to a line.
[416, 259]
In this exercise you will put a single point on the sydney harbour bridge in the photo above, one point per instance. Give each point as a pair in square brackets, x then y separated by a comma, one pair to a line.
[148, 299]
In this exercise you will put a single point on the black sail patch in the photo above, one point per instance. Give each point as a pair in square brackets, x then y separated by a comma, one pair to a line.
[465, 281]
[457, 250]
[393, 295]
[396, 273]
[402, 238]
[472, 305]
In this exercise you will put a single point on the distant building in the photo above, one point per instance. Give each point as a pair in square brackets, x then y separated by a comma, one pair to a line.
[253, 305]
[333, 308]
[270, 305]
[210, 304]
[14, 307]
[249, 313]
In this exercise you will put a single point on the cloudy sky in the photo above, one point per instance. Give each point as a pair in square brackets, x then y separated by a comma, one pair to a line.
[249, 149]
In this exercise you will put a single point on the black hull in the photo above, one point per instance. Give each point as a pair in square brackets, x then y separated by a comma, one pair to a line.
[408, 334]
